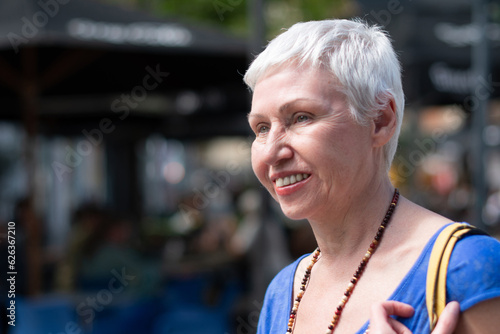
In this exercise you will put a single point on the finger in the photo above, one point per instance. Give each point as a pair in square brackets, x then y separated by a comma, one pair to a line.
[398, 327]
[382, 323]
[448, 319]
[392, 307]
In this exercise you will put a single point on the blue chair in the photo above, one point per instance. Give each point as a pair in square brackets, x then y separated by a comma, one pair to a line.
[188, 311]
[191, 321]
[186, 291]
[45, 315]
[131, 317]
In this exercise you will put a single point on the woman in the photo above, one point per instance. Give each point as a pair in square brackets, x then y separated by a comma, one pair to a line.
[326, 111]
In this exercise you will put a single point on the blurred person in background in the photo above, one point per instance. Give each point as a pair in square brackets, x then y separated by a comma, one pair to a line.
[101, 243]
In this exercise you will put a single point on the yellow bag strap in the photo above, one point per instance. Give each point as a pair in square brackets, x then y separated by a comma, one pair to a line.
[438, 266]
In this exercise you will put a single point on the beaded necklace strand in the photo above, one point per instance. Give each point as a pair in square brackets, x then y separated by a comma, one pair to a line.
[355, 277]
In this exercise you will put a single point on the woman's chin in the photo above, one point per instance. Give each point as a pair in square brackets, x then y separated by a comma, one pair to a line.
[293, 213]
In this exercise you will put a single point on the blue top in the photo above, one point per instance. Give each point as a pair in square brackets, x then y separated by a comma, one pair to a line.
[473, 276]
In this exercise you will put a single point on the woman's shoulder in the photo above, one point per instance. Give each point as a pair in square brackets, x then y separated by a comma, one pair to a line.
[473, 276]
[474, 270]
[476, 251]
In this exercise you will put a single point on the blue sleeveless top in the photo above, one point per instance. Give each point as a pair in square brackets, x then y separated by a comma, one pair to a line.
[473, 276]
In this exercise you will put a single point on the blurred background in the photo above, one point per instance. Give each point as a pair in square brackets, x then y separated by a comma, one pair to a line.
[124, 152]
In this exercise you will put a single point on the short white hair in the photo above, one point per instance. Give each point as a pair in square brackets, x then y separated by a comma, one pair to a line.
[360, 56]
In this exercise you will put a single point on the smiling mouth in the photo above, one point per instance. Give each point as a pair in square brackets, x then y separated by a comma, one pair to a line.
[289, 180]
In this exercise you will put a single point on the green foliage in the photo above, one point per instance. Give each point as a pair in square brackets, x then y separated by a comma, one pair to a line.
[232, 15]
[284, 13]
[495, 12]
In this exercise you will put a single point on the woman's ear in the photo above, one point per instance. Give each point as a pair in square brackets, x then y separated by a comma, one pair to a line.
[384, 125]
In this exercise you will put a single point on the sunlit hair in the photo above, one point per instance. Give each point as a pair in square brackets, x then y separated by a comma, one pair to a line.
[360, 56]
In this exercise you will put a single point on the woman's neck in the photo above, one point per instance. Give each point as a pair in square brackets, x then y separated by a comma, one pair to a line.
[347, 230]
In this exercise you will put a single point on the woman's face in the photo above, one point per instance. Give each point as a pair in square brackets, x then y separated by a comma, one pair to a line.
[308, 151]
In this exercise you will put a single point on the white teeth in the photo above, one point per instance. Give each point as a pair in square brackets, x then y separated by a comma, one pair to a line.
[288, 180]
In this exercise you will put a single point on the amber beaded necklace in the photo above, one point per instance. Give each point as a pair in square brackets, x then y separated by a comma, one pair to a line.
[355, 277]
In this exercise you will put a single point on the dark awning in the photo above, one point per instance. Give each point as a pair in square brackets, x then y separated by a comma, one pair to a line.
[85, 23]
[74, 59]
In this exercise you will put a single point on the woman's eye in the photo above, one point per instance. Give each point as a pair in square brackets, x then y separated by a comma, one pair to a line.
[262, 129]
[302, 118]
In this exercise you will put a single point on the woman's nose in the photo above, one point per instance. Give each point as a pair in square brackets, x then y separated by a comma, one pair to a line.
[277, 147]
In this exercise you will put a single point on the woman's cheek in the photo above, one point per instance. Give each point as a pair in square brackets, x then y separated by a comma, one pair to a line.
[255, 159]
[260, 168]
